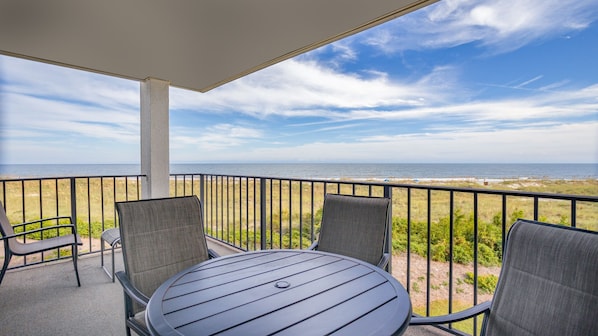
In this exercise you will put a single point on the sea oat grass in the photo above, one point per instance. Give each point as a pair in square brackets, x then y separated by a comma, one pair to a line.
[290, 204]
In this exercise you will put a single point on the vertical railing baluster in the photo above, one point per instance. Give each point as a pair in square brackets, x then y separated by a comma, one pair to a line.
[240, 210]
[312, 231]
[247, 211]
[290, 215]
[23, 215]
[89, 211]
[536, 207]
[74, 201]
[39, 199]
[504, 222]
[114, 197]
[263, 216]
[255, 197]
[408, 239]
[429, 251]
[228, 208]
[56, 196]
[219, 204]
[475, 257]
[271, 214]
[388, 238]
[103, 226]
[213, 199]
[280, 213]
[301, 214]
[24, 218]
[451, 249]
[573, 213]
[41, 214]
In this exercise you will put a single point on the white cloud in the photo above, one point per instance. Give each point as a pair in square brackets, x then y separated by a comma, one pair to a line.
[334, 101]
[37, 95]
[58, 118]
[214, 137]
[295, 88]
[500, 26]
[54, 82]
[52, 113]
[525, 146]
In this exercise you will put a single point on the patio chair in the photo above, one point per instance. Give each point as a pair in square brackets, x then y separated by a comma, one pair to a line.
[12, 246]
[159, 238]
[355, 226]
[548, 284]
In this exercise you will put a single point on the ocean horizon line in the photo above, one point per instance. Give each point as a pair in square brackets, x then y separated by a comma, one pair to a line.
[355, 171]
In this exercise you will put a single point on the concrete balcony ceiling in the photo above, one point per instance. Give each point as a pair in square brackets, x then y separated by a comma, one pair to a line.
[192, 44]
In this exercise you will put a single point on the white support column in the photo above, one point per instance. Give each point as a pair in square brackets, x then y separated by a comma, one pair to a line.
[155, 159]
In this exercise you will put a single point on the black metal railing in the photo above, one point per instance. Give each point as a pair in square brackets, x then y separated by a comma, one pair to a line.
[456, 227]
[88, 200]
[436, 231]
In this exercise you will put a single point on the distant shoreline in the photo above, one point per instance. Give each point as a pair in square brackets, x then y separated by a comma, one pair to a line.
[378, 172]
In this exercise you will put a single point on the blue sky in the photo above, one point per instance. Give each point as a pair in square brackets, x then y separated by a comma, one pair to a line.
[460, 81]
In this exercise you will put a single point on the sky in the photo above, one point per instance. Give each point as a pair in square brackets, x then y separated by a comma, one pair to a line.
[460, 81]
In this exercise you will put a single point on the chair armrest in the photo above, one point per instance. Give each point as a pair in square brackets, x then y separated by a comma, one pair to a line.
[384, 261]
[130, 290]
[212, 254]
[44, 220]
[72, 226]
[313, 246]
[454, 317]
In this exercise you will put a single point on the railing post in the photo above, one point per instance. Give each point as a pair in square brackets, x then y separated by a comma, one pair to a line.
[263, 213]
[573, 213]
[388, 243]
[74, 200]
[201, 190]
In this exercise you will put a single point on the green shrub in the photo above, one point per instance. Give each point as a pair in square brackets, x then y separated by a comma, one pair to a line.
[486, 283]
[489, 238]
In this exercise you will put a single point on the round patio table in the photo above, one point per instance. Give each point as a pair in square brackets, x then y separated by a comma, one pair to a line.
[280, 292]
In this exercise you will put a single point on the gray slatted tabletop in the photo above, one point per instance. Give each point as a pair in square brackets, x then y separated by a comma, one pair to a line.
[280, 292]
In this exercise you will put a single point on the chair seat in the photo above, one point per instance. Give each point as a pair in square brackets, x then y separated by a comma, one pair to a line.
[111, 236]
[19, 248]
[139, 318]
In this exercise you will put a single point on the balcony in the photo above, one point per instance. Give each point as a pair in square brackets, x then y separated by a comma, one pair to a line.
[244, 213]
[45, 300]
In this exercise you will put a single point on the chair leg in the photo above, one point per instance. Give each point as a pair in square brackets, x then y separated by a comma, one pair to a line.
[101, 252]
[113, 246]
[75, 256]
[7, 257]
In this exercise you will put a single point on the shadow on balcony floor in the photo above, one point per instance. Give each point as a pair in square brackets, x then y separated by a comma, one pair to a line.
[45, 300]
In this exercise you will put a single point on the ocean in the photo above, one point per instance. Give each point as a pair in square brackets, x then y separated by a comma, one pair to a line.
[360, 171]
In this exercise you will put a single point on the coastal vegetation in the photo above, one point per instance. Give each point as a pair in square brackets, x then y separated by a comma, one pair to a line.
[294, 210]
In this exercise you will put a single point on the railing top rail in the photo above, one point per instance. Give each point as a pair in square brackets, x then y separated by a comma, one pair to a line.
[589, 198]
[581, 198]
[18, 179]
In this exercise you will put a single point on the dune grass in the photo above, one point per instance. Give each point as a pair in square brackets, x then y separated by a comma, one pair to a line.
[290, 204]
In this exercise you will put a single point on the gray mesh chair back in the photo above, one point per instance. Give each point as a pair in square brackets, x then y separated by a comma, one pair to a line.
[548, 283]
[159, 238]
[355, 226]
